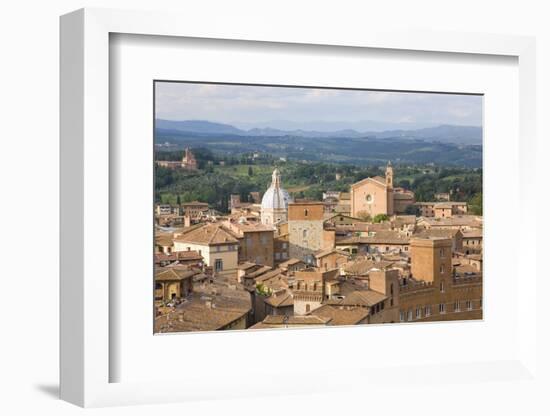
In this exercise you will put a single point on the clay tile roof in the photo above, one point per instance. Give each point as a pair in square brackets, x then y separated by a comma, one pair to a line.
[246, 265]
[473, 234]
[259, 271]
[210, 308]
[278, 321]
[164, 239]
[208, 234]
[188, 255]
[354, 294]
[363, 266]
[290, 262]
[340, 315]
[280, 299]
[251, 227]
[324, 253]
[435, 232]
[381, 237]
[174, 273]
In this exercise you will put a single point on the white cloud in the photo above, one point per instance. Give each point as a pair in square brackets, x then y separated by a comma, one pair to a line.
[256, 104]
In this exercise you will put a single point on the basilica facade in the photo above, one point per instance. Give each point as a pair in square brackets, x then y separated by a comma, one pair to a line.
[377, 195]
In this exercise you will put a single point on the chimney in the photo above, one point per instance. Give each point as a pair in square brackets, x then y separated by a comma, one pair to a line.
[187, 221]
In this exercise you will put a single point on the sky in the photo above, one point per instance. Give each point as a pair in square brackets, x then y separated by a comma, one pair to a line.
[313, 109]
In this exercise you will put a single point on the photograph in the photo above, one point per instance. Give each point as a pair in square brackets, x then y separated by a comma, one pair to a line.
[282, 206]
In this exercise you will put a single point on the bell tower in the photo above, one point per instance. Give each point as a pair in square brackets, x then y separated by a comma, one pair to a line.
[389, 175]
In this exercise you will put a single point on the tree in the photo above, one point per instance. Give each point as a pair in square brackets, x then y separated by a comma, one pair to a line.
[263, 290]
[364, 216]
[380, 217]
[475, 205]
[250, 171]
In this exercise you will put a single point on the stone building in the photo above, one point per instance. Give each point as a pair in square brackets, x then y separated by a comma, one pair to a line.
[309, 289]
[210, 307]
[437, 291]
[305, 229]
[274, 208]
[188, 162]
[331, 259]
[280, 248]
[218, 247]
[441, 209]
[256, 242]
[458, 222]
[472, 241]
[377, 195]
[194, 210]
[402, 199]
[173, 283]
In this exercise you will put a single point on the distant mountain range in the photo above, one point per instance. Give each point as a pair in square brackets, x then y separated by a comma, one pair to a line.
[465, 135]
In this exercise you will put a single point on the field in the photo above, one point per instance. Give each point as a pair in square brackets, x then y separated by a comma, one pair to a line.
[218, 178]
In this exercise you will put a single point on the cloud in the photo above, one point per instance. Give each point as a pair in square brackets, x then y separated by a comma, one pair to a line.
[261, 104]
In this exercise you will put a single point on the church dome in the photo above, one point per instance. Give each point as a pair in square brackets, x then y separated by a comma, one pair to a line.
[276, 197]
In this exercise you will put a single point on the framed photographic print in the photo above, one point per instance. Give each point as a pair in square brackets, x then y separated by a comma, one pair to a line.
[304, 213]
[287, 207]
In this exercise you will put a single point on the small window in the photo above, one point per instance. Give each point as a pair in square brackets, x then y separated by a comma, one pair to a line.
[418, 313]
[427, 311]
[401, 316]
[308, 308]
[441, 308]
[304, 233]
[410, 315]
[469, 305]
[457, 306]
[441, 287]
[305, 212]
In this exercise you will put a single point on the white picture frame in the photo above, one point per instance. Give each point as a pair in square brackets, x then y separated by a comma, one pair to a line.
[86, 355]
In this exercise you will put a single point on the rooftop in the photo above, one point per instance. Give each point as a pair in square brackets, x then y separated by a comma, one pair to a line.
[280, 321]
[208, 234]
[209, 308]
[341, 315]
[165, 274]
